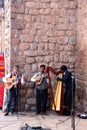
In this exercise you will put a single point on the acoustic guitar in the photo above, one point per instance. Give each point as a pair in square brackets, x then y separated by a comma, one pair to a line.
[11, 82]
[39, 80]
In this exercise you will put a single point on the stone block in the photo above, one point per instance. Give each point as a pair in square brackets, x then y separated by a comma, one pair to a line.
[49, 33]
[52, 64]
[34, 67]
[27, 11]
[59, 33]
[17, 24]
[30, 31]
[45, 5]
[72, 59]
[43, 53]
[72, 12]
[73, 4]
[56, 58]
[30, 4]
[38, 25]
[33, 12]
[45, 39]
[26, 31]
[55, 12]
[70, 33]
[30, 53]
[29, 93]
[71, 26]
[65, 4]
[64, 20]
[28, 74]
[69, 48]
[38, 5]
[31, 101]
[52, 39]
[47, 11]
[63, 40]
[27, 18]
[27, 38]
[40, 53]
[33, 108]
[38, 39]
[46, 53]
[46, 46]
[30, 60]
[40, 32]
[55, 21]
[24, 46]
[41, 46]
[27, 107]
[17, 8]
[39, 59]
[63, 57]
[62, 26]
[13, 15]
[54, 5]
[48, 58]
[72, 19]
[23, 92]
[15, 42]
[52, 47]
[33, 46]
[45, 1]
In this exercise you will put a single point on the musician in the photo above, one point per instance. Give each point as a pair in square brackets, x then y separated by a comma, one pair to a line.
[67, 80]
[13, 96]
[41, 90]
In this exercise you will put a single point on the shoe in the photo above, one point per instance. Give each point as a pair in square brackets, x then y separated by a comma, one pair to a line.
[44, 113]
[12, 112]
[6, 114]
[67, 114]
[37, 113]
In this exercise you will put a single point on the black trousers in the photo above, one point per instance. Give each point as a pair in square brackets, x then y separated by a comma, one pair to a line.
[67, 101]
[13, 100]
[41, 100]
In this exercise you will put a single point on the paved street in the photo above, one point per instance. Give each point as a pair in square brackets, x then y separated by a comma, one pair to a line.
[52, 121]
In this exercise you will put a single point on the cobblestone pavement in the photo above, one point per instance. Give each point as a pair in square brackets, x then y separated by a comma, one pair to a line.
[52, 121]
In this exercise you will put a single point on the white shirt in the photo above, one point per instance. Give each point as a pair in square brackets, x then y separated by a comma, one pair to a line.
[40, 75]
[8, 76]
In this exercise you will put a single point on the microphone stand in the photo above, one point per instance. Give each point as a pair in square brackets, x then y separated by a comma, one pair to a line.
[73, 105]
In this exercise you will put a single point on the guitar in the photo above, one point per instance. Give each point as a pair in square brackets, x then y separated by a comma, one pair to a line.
[39, 80]
[11, 82]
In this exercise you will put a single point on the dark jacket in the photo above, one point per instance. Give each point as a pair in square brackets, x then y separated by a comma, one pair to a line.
[67, 79]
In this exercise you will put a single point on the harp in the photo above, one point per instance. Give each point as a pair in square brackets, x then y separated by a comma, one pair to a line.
[58, 99]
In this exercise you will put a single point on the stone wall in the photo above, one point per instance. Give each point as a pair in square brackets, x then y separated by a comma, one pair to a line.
[47, 31]
[42, 31]
[81, 51]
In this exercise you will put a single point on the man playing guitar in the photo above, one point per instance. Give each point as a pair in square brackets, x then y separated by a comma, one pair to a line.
[40, 79]
[13, 82]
